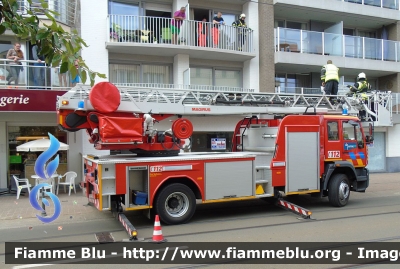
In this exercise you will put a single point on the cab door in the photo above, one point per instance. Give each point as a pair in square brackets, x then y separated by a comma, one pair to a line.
[353, 146]
[333, 147]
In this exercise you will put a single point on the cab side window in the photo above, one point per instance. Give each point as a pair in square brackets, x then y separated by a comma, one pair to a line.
[333, 130]
[348, 131]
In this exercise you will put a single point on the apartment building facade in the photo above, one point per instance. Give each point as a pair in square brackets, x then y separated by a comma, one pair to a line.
[358, 36]
[283, 50]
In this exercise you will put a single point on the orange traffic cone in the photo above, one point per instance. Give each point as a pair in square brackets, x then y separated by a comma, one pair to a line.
[157, 234]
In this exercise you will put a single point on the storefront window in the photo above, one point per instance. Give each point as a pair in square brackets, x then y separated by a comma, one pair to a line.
[22, 163]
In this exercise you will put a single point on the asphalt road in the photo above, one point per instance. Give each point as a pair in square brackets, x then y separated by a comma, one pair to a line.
[370, 216]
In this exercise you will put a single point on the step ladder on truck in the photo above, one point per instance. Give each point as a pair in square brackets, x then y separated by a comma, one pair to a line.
[284, 144]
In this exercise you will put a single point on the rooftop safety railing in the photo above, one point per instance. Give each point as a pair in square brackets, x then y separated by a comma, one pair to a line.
[66, 9]
[155, 30]
[310, 42]
[32, 75]
[391, 4]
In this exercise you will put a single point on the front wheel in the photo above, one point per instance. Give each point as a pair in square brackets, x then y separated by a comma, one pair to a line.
[339, 190]
[175, 204]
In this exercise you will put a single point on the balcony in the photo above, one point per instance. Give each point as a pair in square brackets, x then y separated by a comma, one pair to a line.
[390, 4]
[51, 79]
[66, 10]
[302, 47]
[153, 36]
[367, 14]
[301, 41]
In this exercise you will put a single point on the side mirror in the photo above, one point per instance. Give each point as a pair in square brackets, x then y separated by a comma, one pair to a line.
[360, 144]
[369, 139]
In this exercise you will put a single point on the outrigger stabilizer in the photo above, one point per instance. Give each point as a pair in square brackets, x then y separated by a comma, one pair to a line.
[302, 212]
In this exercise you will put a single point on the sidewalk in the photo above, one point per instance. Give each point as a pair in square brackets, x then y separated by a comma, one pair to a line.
[19, 213]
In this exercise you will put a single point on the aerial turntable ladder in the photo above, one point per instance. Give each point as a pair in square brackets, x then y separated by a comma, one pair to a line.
[123, 117]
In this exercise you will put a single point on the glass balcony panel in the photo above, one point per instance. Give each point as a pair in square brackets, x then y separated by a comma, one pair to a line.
[398, 51]
[392, 4]
[289, 40]
[389, 50]
[333, 44]
[373, 48]
[353, 46]
[353, 1]
[32, 75]
[375, 3]
[312, 42]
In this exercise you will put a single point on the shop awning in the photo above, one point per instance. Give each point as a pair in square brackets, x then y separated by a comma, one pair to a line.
[39, 145]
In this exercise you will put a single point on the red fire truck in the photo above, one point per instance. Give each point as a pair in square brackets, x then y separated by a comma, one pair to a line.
[283, 144]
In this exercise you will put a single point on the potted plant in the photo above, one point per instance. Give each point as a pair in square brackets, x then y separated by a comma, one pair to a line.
[115, 33]
[114, 36]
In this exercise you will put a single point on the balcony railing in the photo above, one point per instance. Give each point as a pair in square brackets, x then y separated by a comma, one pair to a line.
[391, 4]
[66, 9]
[31, 76]
[301, 41]
[144, 29]
[186, 87]
[342, 90]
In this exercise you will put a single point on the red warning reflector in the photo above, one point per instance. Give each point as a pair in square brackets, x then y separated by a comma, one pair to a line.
[105, 97]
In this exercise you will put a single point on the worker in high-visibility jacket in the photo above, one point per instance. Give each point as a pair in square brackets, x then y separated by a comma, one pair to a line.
[361, 87]
[241, 26]
[330, 79]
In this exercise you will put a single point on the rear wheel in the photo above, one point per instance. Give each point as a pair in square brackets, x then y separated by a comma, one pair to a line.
[175, 204]
[339, 190]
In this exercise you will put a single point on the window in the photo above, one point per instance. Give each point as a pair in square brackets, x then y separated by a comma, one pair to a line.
[230, 78]
[292, 83]
[201, 76]
[333, 131]
[352, 131]
[160, 74]
[140, 73]
[121, 8]
[290, 24]
[348, 131]
[123, 73]
[215, 77]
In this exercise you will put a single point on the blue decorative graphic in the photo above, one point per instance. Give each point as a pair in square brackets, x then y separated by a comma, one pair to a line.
[348, 146]
[45, 173]
[352, 156]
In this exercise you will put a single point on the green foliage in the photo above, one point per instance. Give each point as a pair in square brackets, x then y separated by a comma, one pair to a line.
[55, 44]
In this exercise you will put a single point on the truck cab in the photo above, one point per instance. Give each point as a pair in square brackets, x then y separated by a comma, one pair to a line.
[346, 158]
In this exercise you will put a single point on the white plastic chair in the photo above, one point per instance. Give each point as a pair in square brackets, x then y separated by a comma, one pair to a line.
[21, 183]
[46, 189]
[69, 181]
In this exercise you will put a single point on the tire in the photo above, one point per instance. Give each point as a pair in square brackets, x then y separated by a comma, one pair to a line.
[339, 190]
[175, 204]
